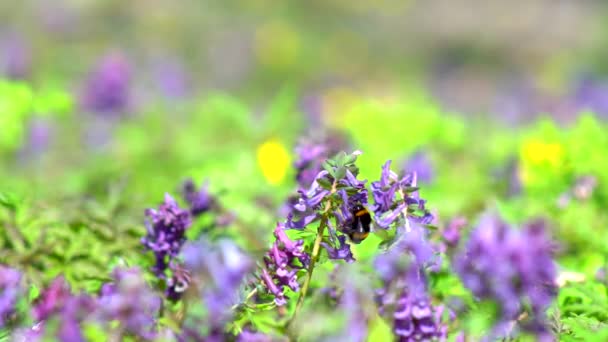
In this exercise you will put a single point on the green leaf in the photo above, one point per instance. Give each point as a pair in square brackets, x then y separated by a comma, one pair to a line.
[9, 201]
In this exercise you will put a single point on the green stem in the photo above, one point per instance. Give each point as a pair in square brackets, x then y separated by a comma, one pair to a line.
[313, 260]
[249, 295]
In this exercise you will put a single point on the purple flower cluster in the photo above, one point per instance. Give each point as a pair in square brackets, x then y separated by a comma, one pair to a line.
[283, 262]
[9, 292]
[107, 90]
[451, 233]
[340, 182]
[218, 270]
[130, 301]
[340, 251]
[166, 230]
[200, 201]
[310, 157]
[57, 302]
[414, 317]
[354, 297]
[404, 296]
[395, 197]
[511, 267]
[51, 299]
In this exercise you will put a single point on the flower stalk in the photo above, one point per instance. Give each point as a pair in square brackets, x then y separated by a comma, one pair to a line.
[313, 259]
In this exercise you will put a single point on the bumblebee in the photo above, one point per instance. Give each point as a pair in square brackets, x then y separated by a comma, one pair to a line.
[360, 226]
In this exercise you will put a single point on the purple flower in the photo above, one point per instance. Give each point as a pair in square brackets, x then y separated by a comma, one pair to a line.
[9, 292]
[341, 252]
[355, 302]
[282, 262]
[131, 302]
[107, 90]
[40, 135]
[451, 234]
[310, 155]
[219, 270]
[308, 163]
[415, 318]
[15, 63]
[403, 296]
[340, 186]
[395, 197]
[179, 281]
[75, 311]
[166, 233]
[592, 94]
[511, 267]
[171, 77]
[51, 300]
[305, 209]
[200, 201]
[57, 301]
[421, 164]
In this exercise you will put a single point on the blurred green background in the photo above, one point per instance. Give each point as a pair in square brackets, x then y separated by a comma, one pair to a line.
[507, 99]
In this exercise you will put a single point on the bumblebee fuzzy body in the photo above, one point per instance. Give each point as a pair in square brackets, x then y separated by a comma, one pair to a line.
[360, 226]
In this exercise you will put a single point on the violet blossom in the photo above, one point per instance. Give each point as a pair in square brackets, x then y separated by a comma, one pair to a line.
[166, 228]
[282, 264]
[514, 268]
[403, 298]
[131, 302]
[10, 291]
[107, 89]
[200, 201]
[218, 271]
[396, 196]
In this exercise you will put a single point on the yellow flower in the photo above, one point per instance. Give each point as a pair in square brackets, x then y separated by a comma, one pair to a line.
[273, 160]
[536, 152]
[538, 157]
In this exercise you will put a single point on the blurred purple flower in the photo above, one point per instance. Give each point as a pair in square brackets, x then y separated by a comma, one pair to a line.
[388, 208]
[57, 301]
[404, 295]
[179, 281]
[15, 62]
[131, 302]
[107, 89]
[421, 164]
[282, 262]
[592, 94]
[354, 302]
[74, 312]
[51, 300]
[166, 233]
[172, 78]
[451, 234]
[308, 163]
[10, 291]
[312, 108]
[200, 201]
[219, 270]
[511, 267]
